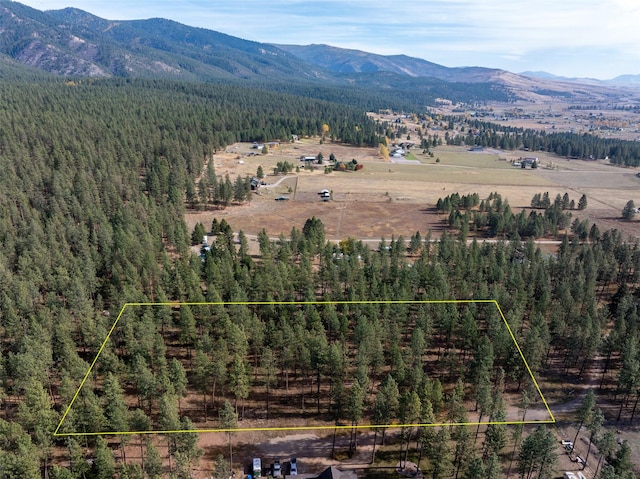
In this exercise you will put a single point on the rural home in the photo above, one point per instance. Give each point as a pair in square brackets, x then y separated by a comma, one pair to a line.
[331, 473]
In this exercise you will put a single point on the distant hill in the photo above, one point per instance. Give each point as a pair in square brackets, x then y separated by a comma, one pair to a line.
[528, 85]
[73, 43]
[626, 80]
[623, 80]
[342, 60]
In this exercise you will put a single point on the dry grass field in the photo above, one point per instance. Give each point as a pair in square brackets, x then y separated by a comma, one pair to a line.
[386, 198]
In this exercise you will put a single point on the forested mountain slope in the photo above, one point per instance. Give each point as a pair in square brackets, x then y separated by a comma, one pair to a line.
[74, 42]
[343, 60]
[71, 42]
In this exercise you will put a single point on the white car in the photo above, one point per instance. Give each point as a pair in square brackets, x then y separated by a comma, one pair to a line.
[277, 470]
[293, 467]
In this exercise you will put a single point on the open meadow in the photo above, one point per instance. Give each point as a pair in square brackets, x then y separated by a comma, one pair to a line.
[387, 198]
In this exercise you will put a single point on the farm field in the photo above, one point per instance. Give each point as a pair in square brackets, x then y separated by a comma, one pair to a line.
[386, 198]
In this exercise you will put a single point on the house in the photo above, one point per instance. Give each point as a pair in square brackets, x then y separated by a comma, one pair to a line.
[330, 473]
[255, 183]
[335, 473]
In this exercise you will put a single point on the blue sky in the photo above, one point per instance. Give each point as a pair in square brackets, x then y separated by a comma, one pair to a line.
[583, 38]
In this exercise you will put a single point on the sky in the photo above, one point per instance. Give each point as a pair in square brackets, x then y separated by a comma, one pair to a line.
[573, 38]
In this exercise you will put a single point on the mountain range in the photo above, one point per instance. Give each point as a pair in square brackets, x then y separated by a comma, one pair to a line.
[622, 80]
[74, 43]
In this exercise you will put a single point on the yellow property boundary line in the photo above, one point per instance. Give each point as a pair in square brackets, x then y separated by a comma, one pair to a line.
[552, 419]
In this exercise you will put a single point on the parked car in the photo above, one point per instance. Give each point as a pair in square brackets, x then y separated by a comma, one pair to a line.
[277, 470]
[257, 467]
[282, 198]
[293, 467]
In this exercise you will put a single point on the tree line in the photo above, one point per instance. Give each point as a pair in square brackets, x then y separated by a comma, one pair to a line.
[494, 217]
[570, 145]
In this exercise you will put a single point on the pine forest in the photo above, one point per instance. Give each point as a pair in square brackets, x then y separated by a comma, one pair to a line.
[95, 178]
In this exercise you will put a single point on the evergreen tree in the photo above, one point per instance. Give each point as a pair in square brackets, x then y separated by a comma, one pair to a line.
[475, 470]
[537, 454]
[104, 465]
[585, 413]
[582, 203]
[239, 381]
[38, 418]
[629, 211]
[269, 366]
[228, 420]
[178, 378]
[355, 410]
[495, 436]
[198, 234]
[153, 461]
[440, 454]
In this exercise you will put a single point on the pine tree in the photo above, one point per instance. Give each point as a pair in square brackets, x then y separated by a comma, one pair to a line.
[37, 416]
[440, 454]
[537, 454]
[582, 203]
[629, 211]
[496, 435]
[239, 190]
[104, 465]
[153, 461]
[228, 420]
[239, 381]
[269, 365]
[198, 234]
[355, 408]
[178, 378]
[585, 413]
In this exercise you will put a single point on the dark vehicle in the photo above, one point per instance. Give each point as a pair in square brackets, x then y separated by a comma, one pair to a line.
[282, 198]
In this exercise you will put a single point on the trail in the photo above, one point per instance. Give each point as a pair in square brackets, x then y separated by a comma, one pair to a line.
[273, 185]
